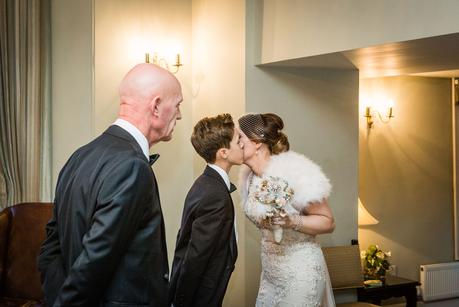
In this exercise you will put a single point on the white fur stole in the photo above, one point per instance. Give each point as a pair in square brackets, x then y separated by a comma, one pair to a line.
[305, 177]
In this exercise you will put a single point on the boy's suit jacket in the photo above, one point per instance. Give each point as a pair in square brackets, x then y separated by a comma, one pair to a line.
[206, 249]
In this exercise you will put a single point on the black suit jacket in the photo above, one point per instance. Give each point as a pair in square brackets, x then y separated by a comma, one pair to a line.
[206, 249]
[105, 243]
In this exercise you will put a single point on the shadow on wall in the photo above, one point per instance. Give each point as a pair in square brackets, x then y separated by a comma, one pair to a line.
[405, 173]
[295, 80]
[319, 108]
[398, 223]
[253, 262]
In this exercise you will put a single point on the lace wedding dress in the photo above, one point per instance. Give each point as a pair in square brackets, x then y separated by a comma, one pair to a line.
[294, 273]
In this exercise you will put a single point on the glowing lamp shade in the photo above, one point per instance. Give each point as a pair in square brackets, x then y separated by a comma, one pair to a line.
[365, 218]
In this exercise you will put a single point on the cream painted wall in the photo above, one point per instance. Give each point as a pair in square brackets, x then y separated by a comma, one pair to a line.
[406, 172]
[72, 79]
[219, 87]
[319, 109]
[123, 33]
[301, 28]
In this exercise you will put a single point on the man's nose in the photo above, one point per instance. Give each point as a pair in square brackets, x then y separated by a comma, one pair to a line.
[179, 115]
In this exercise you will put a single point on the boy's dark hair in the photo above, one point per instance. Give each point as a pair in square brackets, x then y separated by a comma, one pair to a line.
[212, 133]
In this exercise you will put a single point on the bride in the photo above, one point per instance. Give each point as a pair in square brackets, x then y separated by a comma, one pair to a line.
[285, 195]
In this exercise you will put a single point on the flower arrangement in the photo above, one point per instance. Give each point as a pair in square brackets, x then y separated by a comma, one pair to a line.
[275, 193]
[375, 263]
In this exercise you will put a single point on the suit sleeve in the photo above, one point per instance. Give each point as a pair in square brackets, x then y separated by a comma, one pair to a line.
[120, 206]
[50, 261]
[205, 233]
[50, 248]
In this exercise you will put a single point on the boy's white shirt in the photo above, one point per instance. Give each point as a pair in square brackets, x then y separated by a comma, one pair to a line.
[225, 177]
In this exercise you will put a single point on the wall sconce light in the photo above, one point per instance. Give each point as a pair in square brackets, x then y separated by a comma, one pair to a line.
[364, 217]
[163, 63]
[369, 113]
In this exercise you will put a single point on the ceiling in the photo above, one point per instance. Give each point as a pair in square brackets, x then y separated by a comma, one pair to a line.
[433, 57]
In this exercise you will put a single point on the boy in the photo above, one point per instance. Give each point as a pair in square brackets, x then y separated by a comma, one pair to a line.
[206, 248]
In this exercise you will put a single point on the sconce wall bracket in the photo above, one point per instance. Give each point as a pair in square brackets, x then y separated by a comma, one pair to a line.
[369, 117]
[163, 63]
[370, 120]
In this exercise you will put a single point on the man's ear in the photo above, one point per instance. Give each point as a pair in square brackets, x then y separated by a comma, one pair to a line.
[154, 105]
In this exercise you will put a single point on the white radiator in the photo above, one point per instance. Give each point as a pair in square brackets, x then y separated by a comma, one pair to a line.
[439, 281]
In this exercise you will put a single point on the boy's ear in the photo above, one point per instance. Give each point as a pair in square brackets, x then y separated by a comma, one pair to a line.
[222, 153]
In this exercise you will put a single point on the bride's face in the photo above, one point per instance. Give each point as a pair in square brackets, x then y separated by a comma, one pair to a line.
[249, 147]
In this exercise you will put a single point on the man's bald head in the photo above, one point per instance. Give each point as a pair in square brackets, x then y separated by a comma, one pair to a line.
[145, 81]
[150, 98]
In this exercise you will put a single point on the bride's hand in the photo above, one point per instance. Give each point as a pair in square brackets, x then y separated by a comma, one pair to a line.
[285, 221]
[266, 223]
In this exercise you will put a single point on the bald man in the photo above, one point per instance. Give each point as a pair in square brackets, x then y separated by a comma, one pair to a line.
[105, 242]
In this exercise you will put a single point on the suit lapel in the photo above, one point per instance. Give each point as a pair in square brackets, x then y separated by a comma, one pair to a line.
[233, 243]
[163, 228]
[209, 171]
[123, 134]
[214, 174]
[119, 132]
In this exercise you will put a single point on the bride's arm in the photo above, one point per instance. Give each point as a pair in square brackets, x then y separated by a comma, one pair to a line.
[317, 219]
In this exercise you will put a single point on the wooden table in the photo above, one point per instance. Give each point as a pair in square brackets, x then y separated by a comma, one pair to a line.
[393, 287]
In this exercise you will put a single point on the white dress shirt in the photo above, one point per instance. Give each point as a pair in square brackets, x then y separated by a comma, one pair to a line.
[136, 134]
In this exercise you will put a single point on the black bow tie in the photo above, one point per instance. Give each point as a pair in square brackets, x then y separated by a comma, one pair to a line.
[153, 158]
[232, 188]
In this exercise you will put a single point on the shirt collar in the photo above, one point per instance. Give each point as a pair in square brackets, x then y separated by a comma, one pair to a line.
[222, 173]
[136, 134]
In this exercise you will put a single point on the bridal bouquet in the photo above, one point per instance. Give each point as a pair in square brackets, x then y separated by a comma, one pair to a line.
[275, 193]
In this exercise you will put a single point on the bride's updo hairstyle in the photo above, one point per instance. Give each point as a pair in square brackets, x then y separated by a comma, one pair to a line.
[265, 128]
